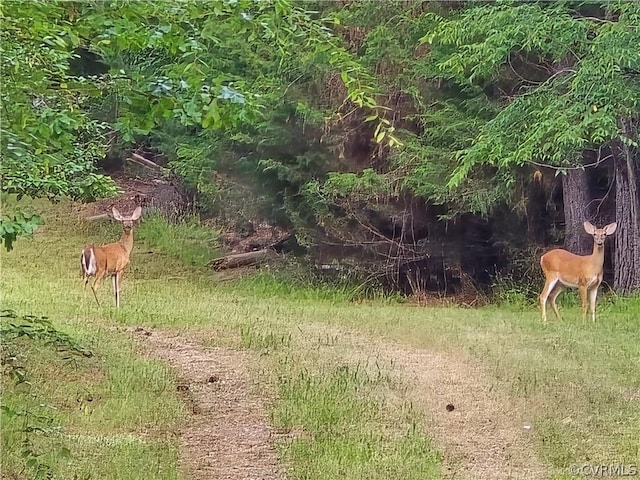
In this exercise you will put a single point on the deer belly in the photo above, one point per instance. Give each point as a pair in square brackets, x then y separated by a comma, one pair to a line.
[572, 283]
[113, 269]
[568, 283]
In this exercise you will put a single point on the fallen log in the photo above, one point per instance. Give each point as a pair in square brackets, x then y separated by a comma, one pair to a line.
[143, 162]
[241, 259]
[102, 216]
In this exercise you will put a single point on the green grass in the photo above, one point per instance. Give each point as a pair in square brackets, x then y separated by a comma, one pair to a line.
[579, 382]
[342, 428]
[188, 240]
[75, 413]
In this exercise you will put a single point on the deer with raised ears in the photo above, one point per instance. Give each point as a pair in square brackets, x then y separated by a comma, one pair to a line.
[110, 259]
[564, 269]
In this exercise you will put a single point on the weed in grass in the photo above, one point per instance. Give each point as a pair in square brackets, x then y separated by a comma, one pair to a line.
[252, 338]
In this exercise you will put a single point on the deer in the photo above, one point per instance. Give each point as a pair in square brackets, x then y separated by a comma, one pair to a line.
[110, 259]
[564, 269]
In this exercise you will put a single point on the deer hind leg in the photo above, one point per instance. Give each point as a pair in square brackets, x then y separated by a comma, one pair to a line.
[549, 284]
[557, 290]
[95, 285]
[85, 280]
[583, 298]
[593, 295]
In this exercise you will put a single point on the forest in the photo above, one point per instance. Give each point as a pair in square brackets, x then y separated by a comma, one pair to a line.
[398, 171]
[415, 145]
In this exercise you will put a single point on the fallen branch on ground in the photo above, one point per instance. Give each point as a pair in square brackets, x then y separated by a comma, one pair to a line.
[241, 259]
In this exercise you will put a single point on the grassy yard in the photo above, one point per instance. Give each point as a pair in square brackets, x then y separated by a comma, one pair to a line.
[107, 415]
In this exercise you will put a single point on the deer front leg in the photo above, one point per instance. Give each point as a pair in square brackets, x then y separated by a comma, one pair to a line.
[593, 295]
[583, 297]
[117, 283]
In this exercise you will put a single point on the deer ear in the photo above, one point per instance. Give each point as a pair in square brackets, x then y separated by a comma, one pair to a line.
[610, 229]
[116, 214]
[136, 214]
[590, 229]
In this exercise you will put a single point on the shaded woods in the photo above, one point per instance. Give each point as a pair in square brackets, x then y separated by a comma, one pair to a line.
[420, 146]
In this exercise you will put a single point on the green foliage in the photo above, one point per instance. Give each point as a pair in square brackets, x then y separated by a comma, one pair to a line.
[195, 164]
[49, 145]
[41, 330]
[17, 225]
[215, 64]
[577, 86]
[224, 86]
[474, 45]
[363, 185]
[52, 175]
[495, 87]
[449, 103]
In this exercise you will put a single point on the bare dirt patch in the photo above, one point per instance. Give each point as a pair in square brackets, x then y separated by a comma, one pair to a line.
[150, 191]
[227, 435]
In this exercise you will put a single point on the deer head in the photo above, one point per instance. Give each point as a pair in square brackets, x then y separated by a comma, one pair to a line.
[599, 234]
[127, 222]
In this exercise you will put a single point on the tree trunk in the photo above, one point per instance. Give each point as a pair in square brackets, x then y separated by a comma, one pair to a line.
[575, 194]
[627, 254]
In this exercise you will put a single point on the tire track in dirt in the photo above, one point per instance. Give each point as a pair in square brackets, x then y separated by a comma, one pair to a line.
[227, 435]
[483, 437]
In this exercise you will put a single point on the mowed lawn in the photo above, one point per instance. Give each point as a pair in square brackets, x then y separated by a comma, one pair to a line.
[116, 410]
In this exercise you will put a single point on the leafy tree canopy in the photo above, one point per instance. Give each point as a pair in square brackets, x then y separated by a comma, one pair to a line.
[215, 65]
[571, 77]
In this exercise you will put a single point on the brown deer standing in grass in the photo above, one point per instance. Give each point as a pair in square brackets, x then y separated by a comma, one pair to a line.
[564, 269]
[110, 259]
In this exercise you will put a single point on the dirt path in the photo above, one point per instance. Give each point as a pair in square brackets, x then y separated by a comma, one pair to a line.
[227, 435]
[482, 433]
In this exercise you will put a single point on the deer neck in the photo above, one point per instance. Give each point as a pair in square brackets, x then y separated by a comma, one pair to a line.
[597, 256]
[127, 241]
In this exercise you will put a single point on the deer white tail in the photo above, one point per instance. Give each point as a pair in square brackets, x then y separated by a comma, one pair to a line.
[88, 262]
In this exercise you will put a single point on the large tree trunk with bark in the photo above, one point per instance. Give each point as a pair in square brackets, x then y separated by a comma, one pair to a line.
[575, 194]
[627, 253]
